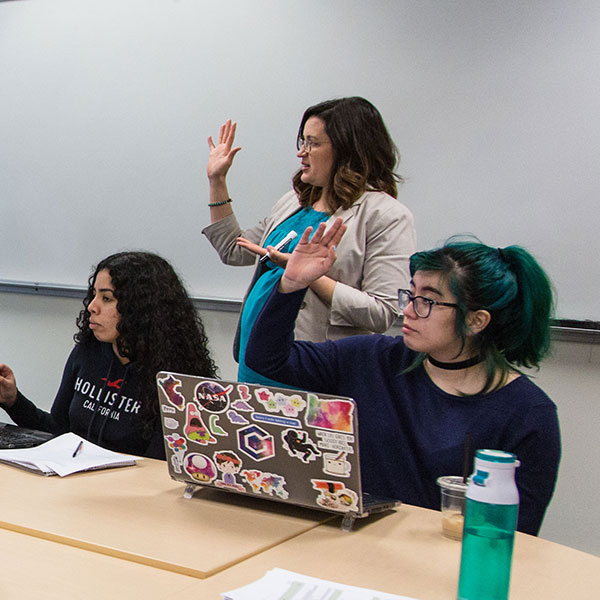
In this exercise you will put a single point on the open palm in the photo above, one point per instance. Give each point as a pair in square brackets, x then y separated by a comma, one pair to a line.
[221, 155]
[312, 257]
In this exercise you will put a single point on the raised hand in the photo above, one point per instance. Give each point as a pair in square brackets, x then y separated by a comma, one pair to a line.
[220, 157]
[312, 258]
[8, 386]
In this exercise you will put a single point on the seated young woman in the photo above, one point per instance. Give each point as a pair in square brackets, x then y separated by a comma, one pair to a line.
[136, 320]
[472, 316]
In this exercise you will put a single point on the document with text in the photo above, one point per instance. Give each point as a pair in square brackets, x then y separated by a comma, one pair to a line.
[280, 584]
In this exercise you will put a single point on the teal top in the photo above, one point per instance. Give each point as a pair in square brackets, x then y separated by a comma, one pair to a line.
[264, 285]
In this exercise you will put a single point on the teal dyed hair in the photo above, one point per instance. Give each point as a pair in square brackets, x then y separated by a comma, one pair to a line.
[508, 283]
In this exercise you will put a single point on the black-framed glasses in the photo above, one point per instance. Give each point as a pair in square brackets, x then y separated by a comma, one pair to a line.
[421, 304]
[308, 145]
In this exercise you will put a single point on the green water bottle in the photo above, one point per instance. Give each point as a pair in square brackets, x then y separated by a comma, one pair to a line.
[492, 506]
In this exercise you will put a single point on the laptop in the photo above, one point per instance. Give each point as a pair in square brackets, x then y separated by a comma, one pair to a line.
[280, 444]
[14, 437]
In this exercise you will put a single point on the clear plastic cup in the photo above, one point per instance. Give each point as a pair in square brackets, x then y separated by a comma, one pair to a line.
[453, 490]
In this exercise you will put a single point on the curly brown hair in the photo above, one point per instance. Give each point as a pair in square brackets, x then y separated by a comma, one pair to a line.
[159, 328]
[365, 155]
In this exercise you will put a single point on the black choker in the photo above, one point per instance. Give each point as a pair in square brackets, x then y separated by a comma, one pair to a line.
[455, 366]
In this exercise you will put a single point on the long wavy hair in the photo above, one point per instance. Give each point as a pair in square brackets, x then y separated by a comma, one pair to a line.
[159, 328]
[511, 285]
[365, 156]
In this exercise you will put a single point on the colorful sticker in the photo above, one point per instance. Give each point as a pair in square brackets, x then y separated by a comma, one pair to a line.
[195, 429]
[268, 483]
[336, 464]
[299, 445]
[229, 463]
[169, 386]
[215, 428]
[335, 415]
[236, 419]
[178, 445]
[256, 443]
[334, 495]
[288, 405]
[212, 396]
[241, 405]
[200, 467]
[244, 392]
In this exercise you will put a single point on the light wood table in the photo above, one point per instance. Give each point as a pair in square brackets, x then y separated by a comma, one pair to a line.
[405, 553]
[139, 514]
[36, 569]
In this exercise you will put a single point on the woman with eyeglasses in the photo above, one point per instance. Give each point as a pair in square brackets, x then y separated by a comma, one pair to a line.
[347, 162]
[473, 316]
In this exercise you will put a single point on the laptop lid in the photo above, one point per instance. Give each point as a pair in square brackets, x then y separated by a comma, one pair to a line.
[280, 444]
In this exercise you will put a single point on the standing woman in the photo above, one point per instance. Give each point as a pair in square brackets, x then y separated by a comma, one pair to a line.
[136, 320]
[472, 316]
[347, 162]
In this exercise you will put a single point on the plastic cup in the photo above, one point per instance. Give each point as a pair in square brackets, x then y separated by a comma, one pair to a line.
[453, 490]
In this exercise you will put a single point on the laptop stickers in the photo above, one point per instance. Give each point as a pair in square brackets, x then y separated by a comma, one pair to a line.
[275, 443]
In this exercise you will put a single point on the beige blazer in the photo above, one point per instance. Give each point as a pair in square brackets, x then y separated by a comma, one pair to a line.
[372, 263]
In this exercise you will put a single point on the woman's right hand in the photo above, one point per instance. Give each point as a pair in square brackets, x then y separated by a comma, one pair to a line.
[8, 386]
[221, 156]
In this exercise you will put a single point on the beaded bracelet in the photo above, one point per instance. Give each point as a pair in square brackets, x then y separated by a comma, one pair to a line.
[220, 203]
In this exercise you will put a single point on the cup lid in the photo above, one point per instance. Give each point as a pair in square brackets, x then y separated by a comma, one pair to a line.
[452, 482]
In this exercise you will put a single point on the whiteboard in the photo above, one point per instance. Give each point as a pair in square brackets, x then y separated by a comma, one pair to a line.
[106, 106]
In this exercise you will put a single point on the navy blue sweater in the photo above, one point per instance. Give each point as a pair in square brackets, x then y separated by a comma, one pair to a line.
[98, 399]
[412, 432]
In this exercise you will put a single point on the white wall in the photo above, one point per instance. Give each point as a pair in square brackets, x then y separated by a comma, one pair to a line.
[36, 337]
[106, 106]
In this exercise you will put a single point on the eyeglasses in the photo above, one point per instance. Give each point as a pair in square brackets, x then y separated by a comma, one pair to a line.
[421, 304]
[308, 145]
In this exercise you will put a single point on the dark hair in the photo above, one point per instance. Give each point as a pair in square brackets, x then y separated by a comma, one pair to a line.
[508, 283]
[364, 154]
[159, 328]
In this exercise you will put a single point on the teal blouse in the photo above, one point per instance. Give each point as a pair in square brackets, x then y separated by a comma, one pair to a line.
[265, 283]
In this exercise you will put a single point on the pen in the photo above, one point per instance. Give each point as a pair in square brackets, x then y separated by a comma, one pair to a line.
[279, 245]
[77, 450]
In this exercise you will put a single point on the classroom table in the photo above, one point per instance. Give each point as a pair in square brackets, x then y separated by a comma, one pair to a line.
[139, 513]
[130, 533]
[403, 552]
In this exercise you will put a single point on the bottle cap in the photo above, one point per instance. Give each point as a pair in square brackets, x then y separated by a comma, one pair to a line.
[497, 456]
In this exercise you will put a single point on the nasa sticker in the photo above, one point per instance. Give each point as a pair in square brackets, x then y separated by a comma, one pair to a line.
[212, 396]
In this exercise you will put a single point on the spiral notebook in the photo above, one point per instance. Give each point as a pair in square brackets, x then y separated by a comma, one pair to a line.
[274, 443]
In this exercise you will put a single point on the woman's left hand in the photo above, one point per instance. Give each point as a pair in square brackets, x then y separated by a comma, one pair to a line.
[276, 257]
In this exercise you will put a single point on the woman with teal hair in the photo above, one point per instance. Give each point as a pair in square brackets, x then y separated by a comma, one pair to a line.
[474, 315]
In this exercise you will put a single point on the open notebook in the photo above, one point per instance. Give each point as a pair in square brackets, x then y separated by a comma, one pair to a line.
[65, 454]
[280, 444]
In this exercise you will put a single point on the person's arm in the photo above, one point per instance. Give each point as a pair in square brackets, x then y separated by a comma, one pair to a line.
[271, 349]
[372, 304]
[26, 414]
[538, 451]
[220, 159]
